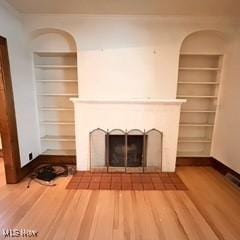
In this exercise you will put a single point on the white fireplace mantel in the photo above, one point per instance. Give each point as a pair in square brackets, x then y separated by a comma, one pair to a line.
[130, 100]
[161, 114]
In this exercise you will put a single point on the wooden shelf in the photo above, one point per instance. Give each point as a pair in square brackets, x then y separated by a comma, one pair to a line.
[55, 66]
[56, 123]
[67, 152]
[58, 138]
[198, 69]
[194, 140]
[200, 83]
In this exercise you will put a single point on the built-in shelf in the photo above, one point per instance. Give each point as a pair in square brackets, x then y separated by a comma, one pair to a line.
[200, 83]
[198, 69]
[67, 152]
[195, 125]
[58, 138]
[59, 94]
[56, 78]
[56, 66]
[56, 123]
[200, 54]
[192, 154]
[194, 140]
[55, 54]
[192, 96]
[56, 109]
[57, 81]
[198, 111]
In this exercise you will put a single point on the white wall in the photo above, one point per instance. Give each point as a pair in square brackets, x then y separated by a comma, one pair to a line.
[126, 56]
[21, 72]
[226, 145]
[137, 57]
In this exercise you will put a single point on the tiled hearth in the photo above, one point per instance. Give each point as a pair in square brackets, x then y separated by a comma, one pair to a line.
[126, 181]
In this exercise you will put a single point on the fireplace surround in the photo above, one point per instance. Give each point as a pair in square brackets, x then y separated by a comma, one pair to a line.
[129, 151]
[161, 114]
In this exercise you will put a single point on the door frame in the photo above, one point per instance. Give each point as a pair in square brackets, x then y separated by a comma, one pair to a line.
[8, 125]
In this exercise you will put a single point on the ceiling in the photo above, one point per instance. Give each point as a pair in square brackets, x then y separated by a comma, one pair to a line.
[158, 7]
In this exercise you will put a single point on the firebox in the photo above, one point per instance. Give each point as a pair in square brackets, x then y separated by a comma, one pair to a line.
[126, 150]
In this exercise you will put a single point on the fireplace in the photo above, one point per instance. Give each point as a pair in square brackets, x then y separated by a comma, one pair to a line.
[161, 114]
[119, 150]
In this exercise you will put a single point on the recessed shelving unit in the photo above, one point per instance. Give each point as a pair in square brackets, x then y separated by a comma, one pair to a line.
[56, 80]
[198, 82]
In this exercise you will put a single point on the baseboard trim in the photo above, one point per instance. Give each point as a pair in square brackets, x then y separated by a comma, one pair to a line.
[223, 169]
[194, 161]
[206, 161]
[57, 159]
[46, 159]
[180, 161]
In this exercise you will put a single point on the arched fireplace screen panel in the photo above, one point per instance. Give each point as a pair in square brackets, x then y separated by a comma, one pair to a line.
[98, 149]
[135, 150]
[153, 151]
[116, 150]
[128, 151]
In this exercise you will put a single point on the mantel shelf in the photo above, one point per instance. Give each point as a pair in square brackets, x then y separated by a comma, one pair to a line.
[129, 101]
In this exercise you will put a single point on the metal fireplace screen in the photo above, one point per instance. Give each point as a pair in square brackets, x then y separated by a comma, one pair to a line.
[128, 151]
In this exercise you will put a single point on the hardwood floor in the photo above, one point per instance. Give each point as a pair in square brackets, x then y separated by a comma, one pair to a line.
[209, 210]
[2, 173]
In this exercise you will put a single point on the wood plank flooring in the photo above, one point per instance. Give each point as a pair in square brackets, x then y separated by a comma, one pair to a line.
[209, 210]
